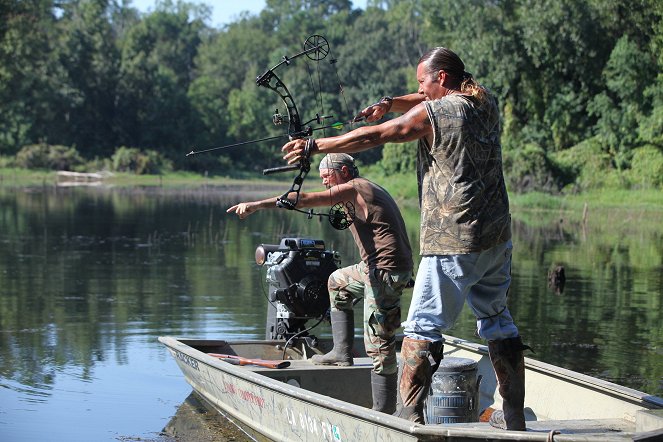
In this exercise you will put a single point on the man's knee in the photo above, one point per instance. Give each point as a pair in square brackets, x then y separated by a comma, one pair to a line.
[383, 323]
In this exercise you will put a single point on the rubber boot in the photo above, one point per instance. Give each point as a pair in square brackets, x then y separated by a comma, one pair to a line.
[343, 332]
[509, 364]
[384, 392]
[420, 359]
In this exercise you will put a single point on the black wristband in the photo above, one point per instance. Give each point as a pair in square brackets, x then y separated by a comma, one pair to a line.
[388, 100]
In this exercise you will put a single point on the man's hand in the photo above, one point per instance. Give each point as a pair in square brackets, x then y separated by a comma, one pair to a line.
[294, 150]
[244, 209]
[374, 112]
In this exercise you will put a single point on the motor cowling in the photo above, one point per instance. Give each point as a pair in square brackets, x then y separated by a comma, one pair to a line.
[297, 274]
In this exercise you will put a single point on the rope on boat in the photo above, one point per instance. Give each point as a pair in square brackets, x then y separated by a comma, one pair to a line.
[552, 434]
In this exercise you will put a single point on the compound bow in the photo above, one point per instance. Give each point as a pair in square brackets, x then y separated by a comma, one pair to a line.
[316, 48]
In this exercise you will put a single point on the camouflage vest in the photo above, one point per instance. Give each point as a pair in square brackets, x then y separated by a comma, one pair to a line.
[463, 199]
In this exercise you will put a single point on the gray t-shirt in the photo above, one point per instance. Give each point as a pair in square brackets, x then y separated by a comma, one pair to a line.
[464, 204]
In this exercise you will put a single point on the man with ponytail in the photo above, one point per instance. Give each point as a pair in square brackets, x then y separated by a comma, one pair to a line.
[465, 225]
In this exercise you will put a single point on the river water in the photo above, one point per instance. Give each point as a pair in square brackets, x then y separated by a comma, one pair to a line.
[90, 277]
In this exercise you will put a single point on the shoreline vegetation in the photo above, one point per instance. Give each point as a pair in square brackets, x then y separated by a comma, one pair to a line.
[98, 85]
[402, 186]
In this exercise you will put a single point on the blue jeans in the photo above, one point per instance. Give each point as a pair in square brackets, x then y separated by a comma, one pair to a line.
[445, 282]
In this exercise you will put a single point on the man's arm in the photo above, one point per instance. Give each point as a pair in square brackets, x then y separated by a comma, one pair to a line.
[400, 105]
[413, 125]
[341, 193]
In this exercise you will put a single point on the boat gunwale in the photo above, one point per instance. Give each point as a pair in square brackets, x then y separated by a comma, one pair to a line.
[631, 395]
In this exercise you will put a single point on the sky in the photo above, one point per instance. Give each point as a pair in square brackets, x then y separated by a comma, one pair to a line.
[225, 11]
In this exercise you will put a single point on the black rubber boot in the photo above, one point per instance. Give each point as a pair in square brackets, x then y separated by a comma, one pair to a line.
[509, 364]
[384, 392]
[343, 332]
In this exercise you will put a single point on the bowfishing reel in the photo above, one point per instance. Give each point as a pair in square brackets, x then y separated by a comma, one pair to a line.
[297, 274]
[341, 215]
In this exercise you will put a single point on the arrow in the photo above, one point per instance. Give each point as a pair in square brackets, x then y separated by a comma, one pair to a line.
[338, 126]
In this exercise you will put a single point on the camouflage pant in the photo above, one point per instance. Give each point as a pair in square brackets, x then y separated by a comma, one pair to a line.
[381, 291]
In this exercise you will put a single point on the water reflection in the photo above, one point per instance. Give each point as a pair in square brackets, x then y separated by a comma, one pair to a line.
[197, 421]
[91, 277]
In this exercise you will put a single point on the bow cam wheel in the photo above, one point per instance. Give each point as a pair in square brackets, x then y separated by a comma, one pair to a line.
[317, 47]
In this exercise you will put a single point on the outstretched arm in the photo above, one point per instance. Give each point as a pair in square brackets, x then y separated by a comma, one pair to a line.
[245, 209]
[341, 193]
[414, 125]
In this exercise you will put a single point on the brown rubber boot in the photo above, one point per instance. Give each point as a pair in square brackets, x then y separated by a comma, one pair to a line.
[420, 359]
[509, 364]
[384, 392]
[343, 332]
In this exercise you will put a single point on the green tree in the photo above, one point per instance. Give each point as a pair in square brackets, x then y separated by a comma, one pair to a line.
[622, 105]
[226, 66]
[85, 111]
[651, 126]
[156, 70]
[28, 73]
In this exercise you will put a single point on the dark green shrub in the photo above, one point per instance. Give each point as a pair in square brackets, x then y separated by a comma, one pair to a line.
[587, 165]
[528, 169]
[7, 161]
[44, 156]
[34, 156]
[646, 170]
[63, 158]
[97, 164]
[131, 159]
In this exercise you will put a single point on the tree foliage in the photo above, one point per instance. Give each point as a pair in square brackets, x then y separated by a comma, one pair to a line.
[97, 75]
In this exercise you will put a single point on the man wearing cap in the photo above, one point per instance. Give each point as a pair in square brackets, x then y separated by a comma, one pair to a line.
[384, 271]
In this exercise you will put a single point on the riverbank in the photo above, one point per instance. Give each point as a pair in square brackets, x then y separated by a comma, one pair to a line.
[403, 187]
[17, 177]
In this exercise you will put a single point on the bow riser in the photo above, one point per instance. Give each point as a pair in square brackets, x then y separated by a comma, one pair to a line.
[272, 81]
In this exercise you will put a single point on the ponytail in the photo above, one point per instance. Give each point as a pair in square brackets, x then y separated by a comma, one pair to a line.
[443, 59]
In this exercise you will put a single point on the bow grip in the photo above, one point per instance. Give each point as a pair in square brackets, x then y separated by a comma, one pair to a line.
[280, 169]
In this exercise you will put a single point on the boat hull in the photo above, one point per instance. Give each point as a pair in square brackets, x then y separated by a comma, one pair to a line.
[306, 402]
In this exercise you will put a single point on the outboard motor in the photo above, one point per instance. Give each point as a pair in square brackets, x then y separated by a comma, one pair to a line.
[297, 274]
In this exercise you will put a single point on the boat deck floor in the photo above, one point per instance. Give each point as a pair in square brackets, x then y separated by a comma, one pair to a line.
[603, 427]
[593, 429]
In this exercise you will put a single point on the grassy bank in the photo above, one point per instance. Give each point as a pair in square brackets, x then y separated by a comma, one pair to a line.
[16, 177]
